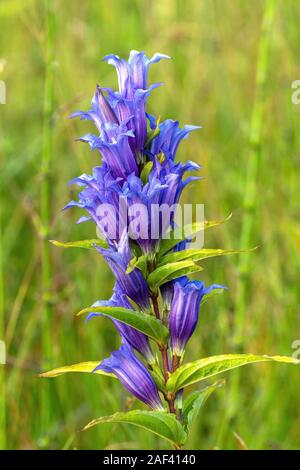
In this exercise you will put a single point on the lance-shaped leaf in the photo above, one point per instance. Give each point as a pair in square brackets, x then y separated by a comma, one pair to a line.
[139, 263]
[89, 244]
[195, 401]
[188, 231]
[170, 271]
[161, 423]
[195, 255]
[147, 324]
[204, 368]
[211, 294]
[146, 172]
[87, 367]
[153, 133]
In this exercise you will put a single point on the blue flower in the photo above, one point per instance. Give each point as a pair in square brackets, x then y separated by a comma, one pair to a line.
[129, 335]
[133, 198]
[101, 112]
[132, 111]
[124, 364]
[130, 101]
[134, 285]
[171, 175]
[114, 138]
[145, 210]
[141, 199]
[184, 313]
[169, 137]
[120, 117]
[116, 152]
[100, 198]
[133, 74]
[152, 206]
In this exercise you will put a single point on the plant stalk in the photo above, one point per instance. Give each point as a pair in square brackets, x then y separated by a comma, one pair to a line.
[2, 366]
[164, 353]
[45, 201]
[254, 155]
[249, 202]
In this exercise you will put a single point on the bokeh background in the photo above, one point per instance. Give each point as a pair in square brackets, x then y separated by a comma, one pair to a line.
[232, 68]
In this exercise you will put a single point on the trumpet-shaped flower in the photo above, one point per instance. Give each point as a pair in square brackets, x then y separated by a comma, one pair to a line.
[133, 374]
[169, 137]
[120, 117]
[100, 198]
[184, 313]
[133, 284]
[152, 206]
[133, 74]
[114, 137]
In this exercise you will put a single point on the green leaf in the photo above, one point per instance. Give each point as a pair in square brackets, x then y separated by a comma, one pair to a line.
[139, 263]
[153, 133]
[169, 271]
[161, 423]
[213, 293]
[81, 243]
[188, 230]
[147, 324]
[195, 401]
[196, 371]
[195, 255]
[131, 265]
[146, 171]
[87, 367]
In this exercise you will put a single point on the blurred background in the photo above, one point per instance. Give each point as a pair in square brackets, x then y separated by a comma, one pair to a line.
[231, 71]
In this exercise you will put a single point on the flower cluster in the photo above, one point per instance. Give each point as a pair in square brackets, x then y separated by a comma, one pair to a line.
[139, 168]
[133, 199]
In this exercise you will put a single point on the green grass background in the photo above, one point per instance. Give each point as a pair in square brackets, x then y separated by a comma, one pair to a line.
[228, 74]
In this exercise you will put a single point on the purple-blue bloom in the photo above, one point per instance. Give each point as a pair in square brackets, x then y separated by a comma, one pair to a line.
[184, 313]
[130, 101]
[99, 197]
[133, 74]
[133, 374]
[145, 209]
[132, 111]
[134, 284]
[120, 117]
[152, 206]
[141, 200]
[132, 197]
[136, 207]
[169, 137]
[121, 121]
[114, 137]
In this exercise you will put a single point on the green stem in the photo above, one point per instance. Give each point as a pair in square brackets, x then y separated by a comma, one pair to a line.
[164, 353]
[164, 356]
[254, 154]
[175, 362]
[2, 371]
[178, 447]
[154, 298]
[45, 205]
[249, 202]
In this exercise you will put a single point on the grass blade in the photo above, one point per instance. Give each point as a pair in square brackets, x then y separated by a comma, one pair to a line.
[45, 205]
